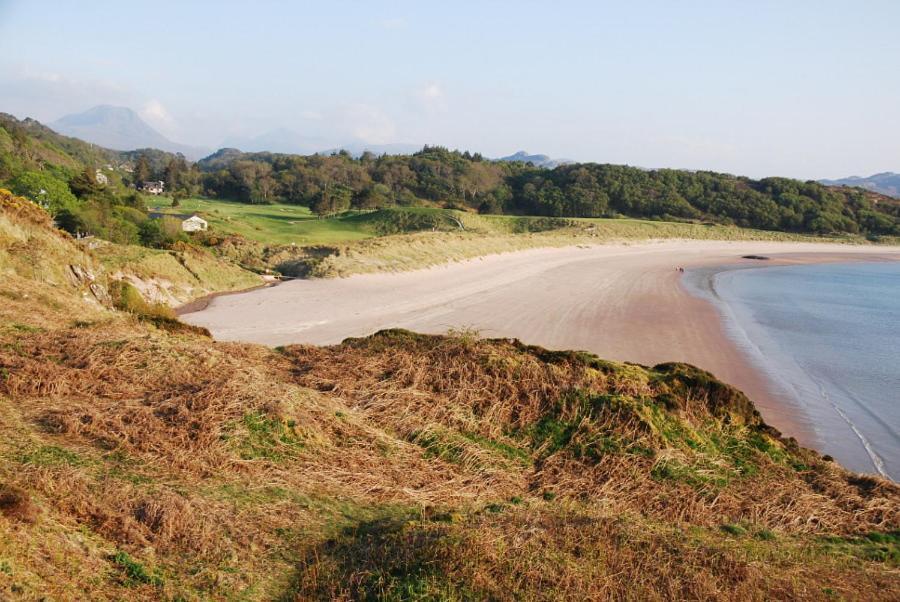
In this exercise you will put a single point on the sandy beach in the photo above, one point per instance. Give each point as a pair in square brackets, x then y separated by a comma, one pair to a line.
[620, 301]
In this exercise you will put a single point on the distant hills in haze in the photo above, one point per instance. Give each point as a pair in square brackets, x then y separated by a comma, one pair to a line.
[120, 128]
[886, 183]
[537, 160]
[278, 140]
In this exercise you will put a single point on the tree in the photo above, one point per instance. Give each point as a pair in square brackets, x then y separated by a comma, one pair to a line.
[141, 171]
[174, 172]
[373, 197]
[151, 234]
[45, 190]
[333, 199]
[85, 184]
[178, 196]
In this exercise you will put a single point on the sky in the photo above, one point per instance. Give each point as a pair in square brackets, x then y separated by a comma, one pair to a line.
[800, 88]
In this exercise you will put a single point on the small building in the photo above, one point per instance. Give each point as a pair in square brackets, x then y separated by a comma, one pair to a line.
[156, 187]
[189, 223]
[194, 223]
[101, 177]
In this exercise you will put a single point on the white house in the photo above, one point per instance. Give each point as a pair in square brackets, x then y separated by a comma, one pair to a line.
[194, 223]
[153, 187]
[101, 177]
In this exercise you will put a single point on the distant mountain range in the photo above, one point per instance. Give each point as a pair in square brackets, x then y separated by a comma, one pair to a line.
[120, 128]
[886, 183]
[283, 140]
[538, 160]
[279, 140]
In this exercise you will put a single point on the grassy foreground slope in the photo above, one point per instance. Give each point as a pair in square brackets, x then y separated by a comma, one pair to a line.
[141, 460]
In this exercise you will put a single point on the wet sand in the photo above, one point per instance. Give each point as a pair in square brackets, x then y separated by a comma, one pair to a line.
[620, 301]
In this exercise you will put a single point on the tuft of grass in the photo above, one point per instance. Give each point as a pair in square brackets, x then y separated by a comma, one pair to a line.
[875, 546]
[734, 529]
[51, 455]
[136, 572]
[268, 438]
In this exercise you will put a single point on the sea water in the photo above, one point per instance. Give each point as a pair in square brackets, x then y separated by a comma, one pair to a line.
[829, 337]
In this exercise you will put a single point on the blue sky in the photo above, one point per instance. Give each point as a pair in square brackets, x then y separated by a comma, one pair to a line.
[801, 88]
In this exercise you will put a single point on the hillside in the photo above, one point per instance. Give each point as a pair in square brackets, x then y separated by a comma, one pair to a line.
[29, 144]
[887, 183]
[141, 460]
[120, 128]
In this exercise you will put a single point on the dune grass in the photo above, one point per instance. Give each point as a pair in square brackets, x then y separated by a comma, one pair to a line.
[491, 235]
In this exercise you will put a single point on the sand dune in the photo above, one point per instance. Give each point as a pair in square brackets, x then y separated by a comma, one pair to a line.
[621, 301]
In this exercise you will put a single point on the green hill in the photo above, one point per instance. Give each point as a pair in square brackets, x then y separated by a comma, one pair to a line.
[141, 460]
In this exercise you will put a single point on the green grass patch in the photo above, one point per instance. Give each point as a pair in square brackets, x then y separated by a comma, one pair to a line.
[734, 529]
[506, 450]
[51, 455]
[267, 437]
[697, 477]
[875, 547]
[135, 572]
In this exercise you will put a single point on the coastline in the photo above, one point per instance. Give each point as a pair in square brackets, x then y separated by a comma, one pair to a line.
[835, 370]
[624, 302]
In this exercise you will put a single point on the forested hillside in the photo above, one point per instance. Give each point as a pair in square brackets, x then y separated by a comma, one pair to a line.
[87, 188]
[435, 175]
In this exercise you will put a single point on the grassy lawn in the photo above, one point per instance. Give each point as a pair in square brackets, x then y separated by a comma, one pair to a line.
[404, 238]
[285, 224]
[272, 224]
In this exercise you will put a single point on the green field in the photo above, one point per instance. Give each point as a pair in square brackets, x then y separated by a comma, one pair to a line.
[285, 224]
[271, 224]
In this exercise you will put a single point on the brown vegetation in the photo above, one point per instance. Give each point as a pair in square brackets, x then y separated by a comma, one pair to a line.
[399, 466]
[15, 503]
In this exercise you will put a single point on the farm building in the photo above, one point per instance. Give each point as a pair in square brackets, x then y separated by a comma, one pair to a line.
[155, 187]
[194, 223]
[189, 223]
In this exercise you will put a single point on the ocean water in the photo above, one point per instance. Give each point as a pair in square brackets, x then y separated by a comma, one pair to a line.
[829, 337]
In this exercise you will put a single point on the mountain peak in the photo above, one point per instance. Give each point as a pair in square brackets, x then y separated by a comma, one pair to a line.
[119, 128]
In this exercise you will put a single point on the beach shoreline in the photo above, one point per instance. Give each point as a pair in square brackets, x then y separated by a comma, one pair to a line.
[625, 302]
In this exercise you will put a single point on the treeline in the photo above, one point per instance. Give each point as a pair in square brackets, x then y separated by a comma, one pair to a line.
[336, 183]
